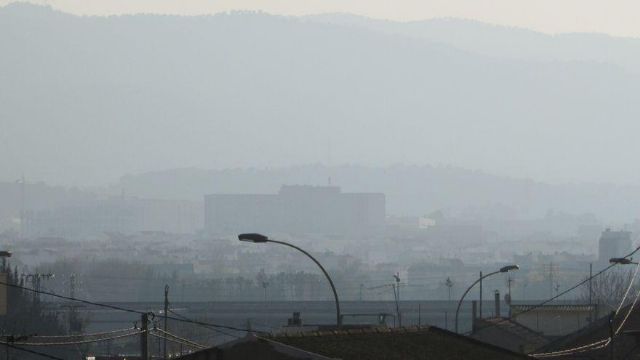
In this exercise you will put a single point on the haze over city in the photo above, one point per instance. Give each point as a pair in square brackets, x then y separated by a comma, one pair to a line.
[319, 179]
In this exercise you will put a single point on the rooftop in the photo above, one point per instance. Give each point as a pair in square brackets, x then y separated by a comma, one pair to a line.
[391, 343]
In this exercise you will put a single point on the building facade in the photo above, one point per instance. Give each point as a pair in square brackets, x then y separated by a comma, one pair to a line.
[117, 215]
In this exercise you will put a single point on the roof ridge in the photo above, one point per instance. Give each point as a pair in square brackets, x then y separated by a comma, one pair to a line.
[354, 331]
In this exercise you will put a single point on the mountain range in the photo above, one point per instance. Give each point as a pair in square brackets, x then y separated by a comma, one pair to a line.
[84, 100]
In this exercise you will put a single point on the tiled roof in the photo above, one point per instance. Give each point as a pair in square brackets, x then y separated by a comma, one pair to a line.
[521, 308]
[416, 343]
[419, 343]
[529, 339]
[253, 347]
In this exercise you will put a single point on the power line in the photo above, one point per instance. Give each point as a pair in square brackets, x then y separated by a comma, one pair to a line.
[119, 308]
[72, 298]
[186, 319]
[575, 286]
[31, 351]
[198, 347]
[228, 327]
[63, 343]
[633, 279]
[595, 345]
[79, 335]
[604, 342]
[167, 335]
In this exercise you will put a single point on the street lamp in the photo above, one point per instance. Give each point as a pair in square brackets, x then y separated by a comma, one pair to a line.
[503, 269]
[622, 261]
[259, 238]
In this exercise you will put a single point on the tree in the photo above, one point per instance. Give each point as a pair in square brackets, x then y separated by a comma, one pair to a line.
[608, 289]
[26, 316]
[449, 284]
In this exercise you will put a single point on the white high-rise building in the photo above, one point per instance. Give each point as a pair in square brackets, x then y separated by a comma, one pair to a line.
[614, 244]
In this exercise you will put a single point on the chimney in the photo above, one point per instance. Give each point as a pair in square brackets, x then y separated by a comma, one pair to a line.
[497, 300]
[295, 320]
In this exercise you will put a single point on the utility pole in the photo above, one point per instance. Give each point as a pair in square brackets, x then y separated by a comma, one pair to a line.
[166, 310]
[72, 306]
[592, 315]
[396, 292]
[590, 278]
[144, 338]
[480, 294]
[550, 279]
[508, 297]
[395, 298]
[611, 334]
[22, 182]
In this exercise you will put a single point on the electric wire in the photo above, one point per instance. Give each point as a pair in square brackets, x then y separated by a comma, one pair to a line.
[31, 351]
[119, 308]
[64, 343]
[205, 326]
[592, 346]
[177, 337]
[575, 286]
[178, 342]
[604, 342]
[78, 335]
[113, 307]
[631, 308]
[624, 298]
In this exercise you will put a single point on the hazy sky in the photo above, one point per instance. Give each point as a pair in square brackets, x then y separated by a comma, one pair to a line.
[615, 17]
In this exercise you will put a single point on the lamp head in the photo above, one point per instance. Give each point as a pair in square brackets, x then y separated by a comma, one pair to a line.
[253, 237]
[508, 268]
[621, 261]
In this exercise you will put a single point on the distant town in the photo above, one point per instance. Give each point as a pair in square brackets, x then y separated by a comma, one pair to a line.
[301, 180]
[130, 250]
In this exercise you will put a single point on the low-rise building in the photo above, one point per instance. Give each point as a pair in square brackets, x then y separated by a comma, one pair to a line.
[416, 343]
[554, 320]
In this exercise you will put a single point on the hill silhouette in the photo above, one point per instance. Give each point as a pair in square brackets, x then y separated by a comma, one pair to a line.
[86, 99]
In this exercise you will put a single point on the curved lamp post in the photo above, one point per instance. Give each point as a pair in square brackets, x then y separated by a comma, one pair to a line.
[503, 269]
[259, 238]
